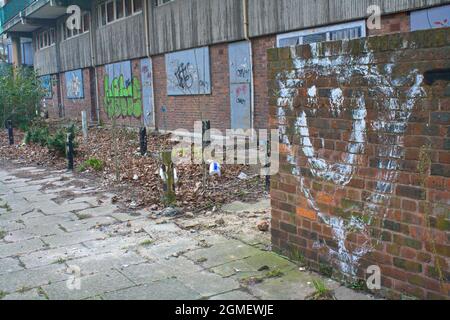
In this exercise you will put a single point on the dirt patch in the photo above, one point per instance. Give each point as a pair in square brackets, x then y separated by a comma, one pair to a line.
[139, 184]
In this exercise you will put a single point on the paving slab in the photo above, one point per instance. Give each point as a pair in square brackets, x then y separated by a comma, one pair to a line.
[169, 289]
[234, 295]
[17, 248]
[9, 265]
[223, 253]
[72, 238]
[90, 286]
[27, 295]
[105, 262]
[208, 284]
[54, 256]
[32, 278]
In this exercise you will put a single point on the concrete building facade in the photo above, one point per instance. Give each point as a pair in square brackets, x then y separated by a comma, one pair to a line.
[168, 63]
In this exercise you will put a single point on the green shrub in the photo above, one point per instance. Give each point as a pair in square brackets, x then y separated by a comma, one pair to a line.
[57, 142]
[37, 134]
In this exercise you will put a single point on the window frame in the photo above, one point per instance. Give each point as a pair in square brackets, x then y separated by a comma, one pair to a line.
[68, 34]
[102, 10]
[159, 3]
[46, 39]
[328, 30]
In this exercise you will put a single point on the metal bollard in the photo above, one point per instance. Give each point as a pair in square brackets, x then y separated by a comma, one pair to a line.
[10, 133]
[143, 141]
[69, 151]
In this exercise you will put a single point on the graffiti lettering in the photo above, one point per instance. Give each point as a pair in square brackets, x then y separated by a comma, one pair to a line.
[184, 76]
[243, 71]
[241, 101]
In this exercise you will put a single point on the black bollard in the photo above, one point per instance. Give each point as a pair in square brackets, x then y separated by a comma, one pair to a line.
[10, 133]
[269, 153]
[143, 141]
[206, 133]
[69, 151]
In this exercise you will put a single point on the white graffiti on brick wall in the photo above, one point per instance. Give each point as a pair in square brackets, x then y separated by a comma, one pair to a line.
[395, 108]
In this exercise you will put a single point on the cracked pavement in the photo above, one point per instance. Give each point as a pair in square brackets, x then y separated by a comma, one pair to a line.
[62, 238]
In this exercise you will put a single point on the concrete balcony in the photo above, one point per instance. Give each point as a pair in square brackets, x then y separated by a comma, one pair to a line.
[36, 14]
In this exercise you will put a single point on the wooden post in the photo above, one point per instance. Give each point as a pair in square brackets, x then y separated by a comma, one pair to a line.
[10, 133]
[84, 124]
[143, 141]
[169, 178]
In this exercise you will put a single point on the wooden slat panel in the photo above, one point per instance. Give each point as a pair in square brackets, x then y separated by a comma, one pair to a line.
[121, 40]
[192, 23]
[45, 61]
[270, 17]
[75, 53]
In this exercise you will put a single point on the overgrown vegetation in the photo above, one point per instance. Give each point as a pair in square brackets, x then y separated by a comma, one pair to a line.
[20, 96]
[39, 133]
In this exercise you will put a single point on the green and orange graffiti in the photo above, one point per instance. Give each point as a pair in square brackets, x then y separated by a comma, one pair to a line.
[122, 99]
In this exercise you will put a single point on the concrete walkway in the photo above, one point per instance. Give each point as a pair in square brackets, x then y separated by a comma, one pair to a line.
[62, 238]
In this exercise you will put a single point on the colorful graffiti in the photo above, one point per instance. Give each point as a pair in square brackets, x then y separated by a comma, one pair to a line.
[46, 84]
[74, 84]
[396, 96]
[188, 72]
[122, 91]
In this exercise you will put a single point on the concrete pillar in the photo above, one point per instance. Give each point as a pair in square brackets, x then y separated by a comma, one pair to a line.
[16, 54]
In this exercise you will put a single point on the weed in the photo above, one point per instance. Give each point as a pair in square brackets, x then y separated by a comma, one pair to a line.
[146, 243]
[60, 261]
[325, 270]
[83, 216]
[6, 206]
[276, 273]
[322, 292]
[42, 293]
[24, 290]
[249, 281]
[2, 234]
[298, 256]
[358, 285]
[2, 294]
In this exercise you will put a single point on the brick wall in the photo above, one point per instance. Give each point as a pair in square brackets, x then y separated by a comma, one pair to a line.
[259, 48]
[365, 160]
[393, 23]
